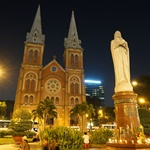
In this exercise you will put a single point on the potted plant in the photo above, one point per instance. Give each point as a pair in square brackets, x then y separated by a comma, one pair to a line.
[20, 124]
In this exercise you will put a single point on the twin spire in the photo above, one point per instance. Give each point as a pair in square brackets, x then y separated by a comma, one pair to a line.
[72, 41]
[36, 36]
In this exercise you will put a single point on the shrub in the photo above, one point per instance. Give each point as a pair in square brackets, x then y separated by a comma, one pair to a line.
[66, 138]
[21, 122]
[4, 133]
[100, 136]
[144, 115]
[29, 134]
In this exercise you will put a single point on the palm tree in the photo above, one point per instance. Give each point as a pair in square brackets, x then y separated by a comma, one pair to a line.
[45, 112]
[38, 114]
[74, 114]
[80, 111]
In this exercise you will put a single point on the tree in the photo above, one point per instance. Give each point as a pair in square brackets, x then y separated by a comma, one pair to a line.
[3, 108]
[21, 122]
[79, 111]
[142, 87]
[109, 113]
[45, 112]
[144, 115]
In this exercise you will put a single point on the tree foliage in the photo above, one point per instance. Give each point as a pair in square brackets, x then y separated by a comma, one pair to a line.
[66, 138]
[79, 112]
[21, 122]
[3, 108]
[45, 111]
[144, 115]
[143, 87]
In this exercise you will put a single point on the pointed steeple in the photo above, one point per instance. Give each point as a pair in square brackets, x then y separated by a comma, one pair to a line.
[72, 41]
[35, 35]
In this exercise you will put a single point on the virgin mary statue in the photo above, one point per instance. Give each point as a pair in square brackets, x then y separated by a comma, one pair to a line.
[121, 61]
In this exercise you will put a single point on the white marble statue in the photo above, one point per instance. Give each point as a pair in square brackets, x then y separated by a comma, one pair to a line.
[121, 61]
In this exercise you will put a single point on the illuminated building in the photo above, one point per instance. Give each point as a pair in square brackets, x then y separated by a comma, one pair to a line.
[63, 85]
[95, 93]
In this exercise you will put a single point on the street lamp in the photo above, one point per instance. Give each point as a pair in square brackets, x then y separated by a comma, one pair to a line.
[1, 72]
[100, 112]
[87, 115]
[100, 115]
[134, 83]
[142, 101]
[91, 124]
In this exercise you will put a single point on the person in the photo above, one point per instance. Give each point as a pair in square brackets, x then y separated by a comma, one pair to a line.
[86, 139]
[120, 55]
[25, 145]
[45, 145]
[36, 138]
[54, 146]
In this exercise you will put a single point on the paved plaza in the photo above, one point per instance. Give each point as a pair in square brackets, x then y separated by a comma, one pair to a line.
[34, 146]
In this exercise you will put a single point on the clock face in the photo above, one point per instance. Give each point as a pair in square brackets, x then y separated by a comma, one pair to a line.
[53, 86]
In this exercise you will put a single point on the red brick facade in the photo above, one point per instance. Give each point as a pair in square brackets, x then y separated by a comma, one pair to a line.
[37, 82]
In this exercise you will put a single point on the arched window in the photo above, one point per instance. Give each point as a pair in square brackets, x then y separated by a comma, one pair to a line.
[27, 84]
[76, 61]
[30, 56]
[26, 99]
[52, 98]
[47, 97]
[30, 82]
[72, 60]
[57, 100]
[35, 55]
[32, 85]
[76, 88]
[72, 88]
[31, 99]
[76, 101]
[72, 101]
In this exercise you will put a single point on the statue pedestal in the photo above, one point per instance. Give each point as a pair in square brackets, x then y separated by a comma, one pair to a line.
[127, 122]
[126, 109]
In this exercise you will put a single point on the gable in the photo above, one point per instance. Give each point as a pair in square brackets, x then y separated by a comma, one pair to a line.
[53, 69]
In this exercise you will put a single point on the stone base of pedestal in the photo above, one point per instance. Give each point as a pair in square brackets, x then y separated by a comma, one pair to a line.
[122, 146]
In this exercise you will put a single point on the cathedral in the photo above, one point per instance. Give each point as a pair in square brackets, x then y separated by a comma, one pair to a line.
[65, 86]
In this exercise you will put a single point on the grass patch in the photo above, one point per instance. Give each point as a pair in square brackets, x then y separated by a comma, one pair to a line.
[6, 140]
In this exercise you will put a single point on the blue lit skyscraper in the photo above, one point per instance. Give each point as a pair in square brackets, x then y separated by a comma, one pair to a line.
[95, 93]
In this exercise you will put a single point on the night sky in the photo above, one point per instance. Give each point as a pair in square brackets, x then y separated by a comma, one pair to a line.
[96, 23]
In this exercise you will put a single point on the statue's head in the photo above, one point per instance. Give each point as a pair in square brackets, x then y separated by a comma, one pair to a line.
[117, 34]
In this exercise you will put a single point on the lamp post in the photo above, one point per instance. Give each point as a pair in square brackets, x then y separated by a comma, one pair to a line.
[142, 101]
[1, 72]
[91, 124]
[87, 115]
[100, 112]
[134, 83]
